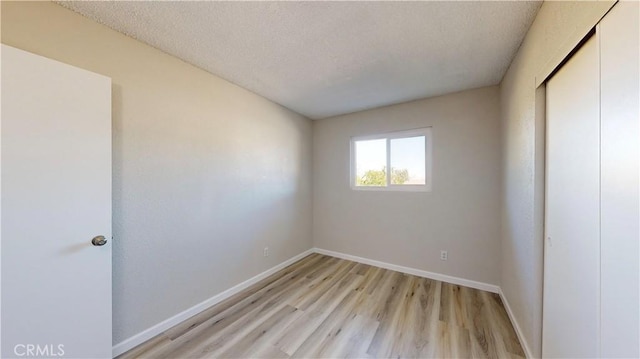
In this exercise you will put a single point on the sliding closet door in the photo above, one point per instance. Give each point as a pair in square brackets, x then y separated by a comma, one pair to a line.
[572, 245]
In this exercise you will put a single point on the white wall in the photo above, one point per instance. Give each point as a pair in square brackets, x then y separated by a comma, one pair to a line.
[558, 27]
[206, 173]
[460, 214]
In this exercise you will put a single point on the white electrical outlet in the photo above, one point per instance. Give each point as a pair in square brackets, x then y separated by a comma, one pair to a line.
[444, 255]
[266, 251]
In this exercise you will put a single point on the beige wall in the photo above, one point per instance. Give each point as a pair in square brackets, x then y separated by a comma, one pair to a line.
[460, 214]
[206, 174]
[557, 29]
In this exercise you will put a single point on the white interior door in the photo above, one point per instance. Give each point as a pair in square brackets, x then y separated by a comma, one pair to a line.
[56, 196]
[572, 245]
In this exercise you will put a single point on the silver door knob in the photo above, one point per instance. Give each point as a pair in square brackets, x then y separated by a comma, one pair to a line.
[98, 241]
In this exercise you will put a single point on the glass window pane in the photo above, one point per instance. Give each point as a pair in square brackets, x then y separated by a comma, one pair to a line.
[407, 160]
[371, 162]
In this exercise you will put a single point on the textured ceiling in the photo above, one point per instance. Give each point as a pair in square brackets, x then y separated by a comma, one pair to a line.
[328, 58]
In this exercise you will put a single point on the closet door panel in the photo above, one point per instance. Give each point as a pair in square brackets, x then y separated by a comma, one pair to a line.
[620, 77]
[572, 245]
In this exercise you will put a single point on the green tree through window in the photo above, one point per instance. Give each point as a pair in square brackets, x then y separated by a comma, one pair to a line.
[379, 177]
[399, 176]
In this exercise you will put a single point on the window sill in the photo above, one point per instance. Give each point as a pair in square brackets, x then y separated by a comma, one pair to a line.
[403, 188]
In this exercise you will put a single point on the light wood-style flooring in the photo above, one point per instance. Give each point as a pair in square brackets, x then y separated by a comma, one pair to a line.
[325, 307]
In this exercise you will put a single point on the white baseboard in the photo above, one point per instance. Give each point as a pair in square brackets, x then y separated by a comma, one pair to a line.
[149, 333]
[523, 341]
[443, 278]
[417, 272]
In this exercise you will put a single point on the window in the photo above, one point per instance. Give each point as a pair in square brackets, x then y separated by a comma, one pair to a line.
[393, 161]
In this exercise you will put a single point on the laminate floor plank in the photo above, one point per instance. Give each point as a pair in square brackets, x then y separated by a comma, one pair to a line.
[382, 342]
[327, 332]
[325, 307]
[263, 335]
[316, 314]
[306, 265]
[419, 330]
[218, 330]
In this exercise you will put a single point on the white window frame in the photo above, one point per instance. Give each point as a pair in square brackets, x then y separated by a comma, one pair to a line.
[426, 132]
